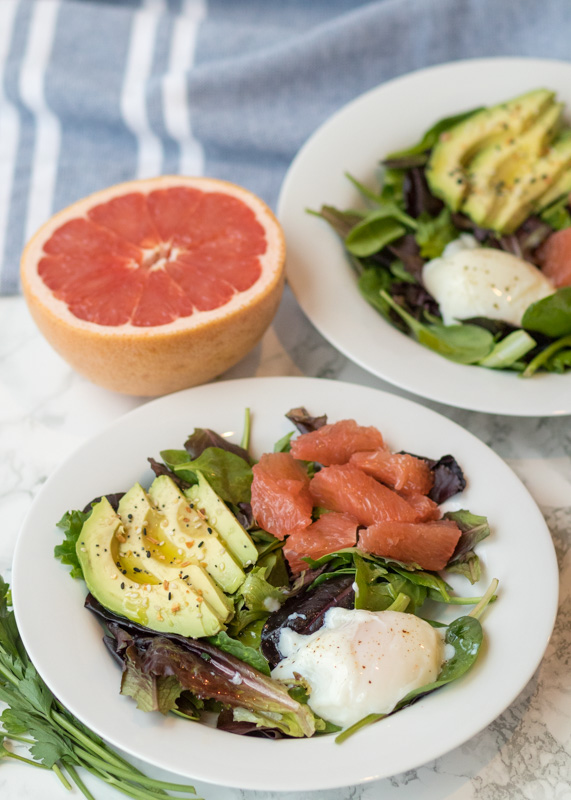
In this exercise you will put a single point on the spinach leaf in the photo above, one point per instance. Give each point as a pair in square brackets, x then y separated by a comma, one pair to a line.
[236, 648]
[466, 344]
[376, 231]
[341, 221]
[229, 474]
[372, 282]
[544, 358]
[434, 233]
[557, 215]
[559, 362]
[550, 316]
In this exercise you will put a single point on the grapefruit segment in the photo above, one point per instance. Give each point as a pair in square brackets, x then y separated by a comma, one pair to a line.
[281, 502]
[335, 443]
[156, 285]
[426, 508]
[329, 533]
[555, 257]
[428, 544]
[401, 471]
[172, 209]
[129, 218]
[161, 301]
[347, 489]
[204, 290]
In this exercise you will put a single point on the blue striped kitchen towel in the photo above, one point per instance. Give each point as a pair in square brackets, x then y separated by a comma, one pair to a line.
[93, 92]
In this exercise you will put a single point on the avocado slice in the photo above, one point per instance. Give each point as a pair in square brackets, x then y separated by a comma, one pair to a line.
[559, 188]
[529, 186]
[172, 606]
[195, 541]
[219, 516]
[445, 171]
[146, 551]
[492, 170]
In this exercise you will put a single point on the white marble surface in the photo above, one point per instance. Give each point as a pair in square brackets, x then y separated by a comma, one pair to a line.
[46, 411]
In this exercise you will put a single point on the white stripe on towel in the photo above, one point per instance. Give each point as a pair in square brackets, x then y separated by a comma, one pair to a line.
[9, 122]
[177, 114]
[47, 127]
[133, 94]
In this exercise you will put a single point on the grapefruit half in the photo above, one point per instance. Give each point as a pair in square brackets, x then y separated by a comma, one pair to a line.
[156, 285]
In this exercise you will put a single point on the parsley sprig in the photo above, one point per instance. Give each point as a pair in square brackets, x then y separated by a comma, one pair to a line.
[56, 739]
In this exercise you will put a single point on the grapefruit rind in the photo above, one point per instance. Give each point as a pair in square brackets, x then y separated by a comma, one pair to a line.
[156, 360]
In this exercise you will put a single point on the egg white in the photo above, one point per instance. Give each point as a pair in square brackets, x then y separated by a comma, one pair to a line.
[472, 281]
[361, 662]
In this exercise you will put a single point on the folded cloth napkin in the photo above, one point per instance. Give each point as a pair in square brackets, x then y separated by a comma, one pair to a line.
[93, 92]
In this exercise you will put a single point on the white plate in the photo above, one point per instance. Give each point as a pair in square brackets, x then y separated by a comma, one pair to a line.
[354, 140]
[70, 656]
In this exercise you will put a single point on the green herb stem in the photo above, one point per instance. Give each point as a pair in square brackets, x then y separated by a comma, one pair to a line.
[134, 791]
[487, 598]
[400, 604]
[140, 779]
[509, 351]
[15, 738]
[463, 601]
[245, 443]
[9, 676]
[362, 723]
[63, 780]
[77, 780]
[88, 743]
[7, 754]
[545, 355]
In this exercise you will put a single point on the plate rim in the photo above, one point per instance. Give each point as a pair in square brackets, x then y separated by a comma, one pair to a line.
[270, 783]
[469, 400]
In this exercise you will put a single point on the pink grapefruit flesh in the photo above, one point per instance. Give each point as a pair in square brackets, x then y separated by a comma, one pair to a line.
[156, 285]
[336, 442]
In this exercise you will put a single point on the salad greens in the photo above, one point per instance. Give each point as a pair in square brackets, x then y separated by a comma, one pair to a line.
[403, 225]
[230, 673]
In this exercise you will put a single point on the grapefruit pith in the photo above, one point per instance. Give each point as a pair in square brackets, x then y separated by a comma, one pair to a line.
[156, 285]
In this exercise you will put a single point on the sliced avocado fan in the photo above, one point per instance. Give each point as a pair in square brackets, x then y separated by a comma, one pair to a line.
[161, 559]
[448, 166]
[500, 166]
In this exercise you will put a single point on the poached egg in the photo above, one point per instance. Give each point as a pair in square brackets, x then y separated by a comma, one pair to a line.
[473, 281]
[361, 662]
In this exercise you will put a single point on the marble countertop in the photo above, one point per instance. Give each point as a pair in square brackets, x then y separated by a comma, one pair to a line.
[46, 411]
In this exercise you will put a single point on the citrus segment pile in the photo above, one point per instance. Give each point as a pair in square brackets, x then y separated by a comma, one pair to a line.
[156, 285]
[366, 497]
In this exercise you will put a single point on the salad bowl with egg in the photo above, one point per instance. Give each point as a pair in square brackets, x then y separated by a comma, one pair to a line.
[465, 244]
[416, 173]
[78, 667]
[282, 593]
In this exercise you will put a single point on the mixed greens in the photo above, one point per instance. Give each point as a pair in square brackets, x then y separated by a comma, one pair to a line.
[416, 213]
[229, 673]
